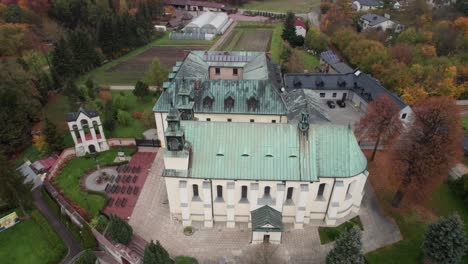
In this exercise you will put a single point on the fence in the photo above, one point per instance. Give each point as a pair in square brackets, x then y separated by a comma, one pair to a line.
[156, 143]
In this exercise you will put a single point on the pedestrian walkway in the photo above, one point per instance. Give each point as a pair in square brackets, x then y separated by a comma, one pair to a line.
[224, 36]
[73, 246]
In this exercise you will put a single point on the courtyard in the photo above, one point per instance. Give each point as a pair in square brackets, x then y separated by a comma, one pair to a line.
[151, 221]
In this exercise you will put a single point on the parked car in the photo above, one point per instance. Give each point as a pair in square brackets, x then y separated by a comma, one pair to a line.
[331, 104]
[341, 103]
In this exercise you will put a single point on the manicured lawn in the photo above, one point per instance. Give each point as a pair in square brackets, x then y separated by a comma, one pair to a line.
[309, 60]
[330, 234]
[135, 128]
[276, 43]
[298, 6]
[413, 226]
[69, 180]
[31, 241]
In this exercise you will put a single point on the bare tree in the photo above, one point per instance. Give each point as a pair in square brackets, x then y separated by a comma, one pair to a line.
[264, 254]
[381, 123]
[429, 148]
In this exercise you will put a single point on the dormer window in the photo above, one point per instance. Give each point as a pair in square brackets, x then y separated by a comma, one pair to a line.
[207, 102]
[252, 104]
[319, 82]
[229, 103]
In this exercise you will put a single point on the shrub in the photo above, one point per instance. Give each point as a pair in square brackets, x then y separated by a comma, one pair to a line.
[460, 187]
[88, 257]
[445, 240]
[141, 89]
[119, 230]
[185, 260]
[123, 117]
[156, 254]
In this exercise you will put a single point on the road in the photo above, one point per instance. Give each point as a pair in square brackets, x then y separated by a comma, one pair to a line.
[74, 247]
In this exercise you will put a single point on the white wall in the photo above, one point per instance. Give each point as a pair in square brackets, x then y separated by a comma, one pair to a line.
[304, 207]
[300, 31]
[257, 237]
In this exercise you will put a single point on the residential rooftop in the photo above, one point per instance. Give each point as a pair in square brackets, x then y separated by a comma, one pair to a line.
[374, 19]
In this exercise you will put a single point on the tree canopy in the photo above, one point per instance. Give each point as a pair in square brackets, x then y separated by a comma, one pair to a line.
[157, 73]
[156, 254]
[119, 230]
[348, 249]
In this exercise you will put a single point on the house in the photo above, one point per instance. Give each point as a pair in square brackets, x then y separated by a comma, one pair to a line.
[331, 63]
[301, 28]
[356, 87]
[197, 5]
[35, 172]
[365, 5]
[86, 130]
[217, 86]
[383, 23]
[210, 23]
[265, 175]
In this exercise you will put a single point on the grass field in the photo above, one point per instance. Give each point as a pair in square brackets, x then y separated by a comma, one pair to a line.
[330, 234]
[298, 6]
[108, 75]
[69, 180]
[412, 219]
[31, 241]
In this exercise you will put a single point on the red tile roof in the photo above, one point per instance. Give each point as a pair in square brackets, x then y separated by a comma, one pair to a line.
[299, 23]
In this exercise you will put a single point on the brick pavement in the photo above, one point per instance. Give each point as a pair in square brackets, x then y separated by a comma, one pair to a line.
[151, 220]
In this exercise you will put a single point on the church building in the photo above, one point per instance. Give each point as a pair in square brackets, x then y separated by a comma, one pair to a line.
[263, 174]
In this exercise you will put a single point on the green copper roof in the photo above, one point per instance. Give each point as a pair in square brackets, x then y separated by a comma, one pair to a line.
[266, 218]
[265, 151]
[269, 101]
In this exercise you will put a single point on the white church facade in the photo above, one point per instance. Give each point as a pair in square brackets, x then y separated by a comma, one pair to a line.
[87, 132]
[263, 174]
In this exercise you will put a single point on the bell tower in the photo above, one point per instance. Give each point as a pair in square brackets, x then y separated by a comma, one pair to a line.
[175, 136]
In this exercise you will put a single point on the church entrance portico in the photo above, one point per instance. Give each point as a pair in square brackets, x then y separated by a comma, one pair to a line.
[267, 225]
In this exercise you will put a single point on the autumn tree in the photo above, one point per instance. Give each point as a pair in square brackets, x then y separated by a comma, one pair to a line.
[13, 190]
[381, 123]
[141, 89]
[428, 147]
[315, 40]
[445, 241]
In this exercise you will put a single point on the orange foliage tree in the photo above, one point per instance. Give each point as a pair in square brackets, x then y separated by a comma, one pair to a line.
[427, 148]
[381, 123]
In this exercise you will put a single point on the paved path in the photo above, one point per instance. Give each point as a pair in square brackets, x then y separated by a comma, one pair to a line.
[90, 180]
[224, 36]
[74, 247]
[151, 220]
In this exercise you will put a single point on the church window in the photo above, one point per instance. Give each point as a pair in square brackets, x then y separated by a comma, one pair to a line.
[321, 191]
[195, 190]
[289, 193]
[217, 71]
[266, 191]
[234, 72]
[252, 103]
[219, 191]
[244, 192]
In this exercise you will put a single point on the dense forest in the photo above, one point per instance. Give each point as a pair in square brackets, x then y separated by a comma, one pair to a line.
[45, 45]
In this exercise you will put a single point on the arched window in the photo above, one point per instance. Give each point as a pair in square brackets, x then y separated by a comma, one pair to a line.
[219, 191]
[207, 102]
[252, 104]
[266, 191]
[244, 192]
[195, 190]
[228, 103]
[289, 194]
[321, 191]
[96, 127]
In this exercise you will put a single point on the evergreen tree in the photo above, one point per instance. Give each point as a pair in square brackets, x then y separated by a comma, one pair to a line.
[44, 85]
[119, 230]
[445, 240]
[156, 254]
[91, 88]
[71, 90]
[106, 34]
[85, 56]
[62, 60]
[53, 138]
[144, 23]
[13, 190]
[109, 116]
[289, 28]
[348, 249]
[141, 89]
